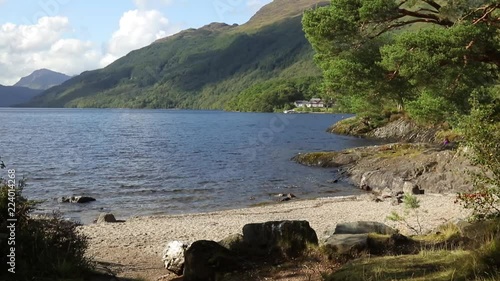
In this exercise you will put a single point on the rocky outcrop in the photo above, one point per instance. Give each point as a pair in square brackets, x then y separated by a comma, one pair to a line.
[401, 130]
[414, 168]
[405, 130]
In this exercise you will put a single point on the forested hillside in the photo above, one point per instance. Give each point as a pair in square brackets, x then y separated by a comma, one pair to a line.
[204, 68]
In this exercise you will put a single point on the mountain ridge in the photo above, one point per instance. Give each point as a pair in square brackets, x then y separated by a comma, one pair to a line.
[42, 79]
[198, 68]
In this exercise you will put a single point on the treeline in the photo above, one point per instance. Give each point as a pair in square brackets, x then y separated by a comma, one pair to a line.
[436, 62]
[428, 59]
[275, 95]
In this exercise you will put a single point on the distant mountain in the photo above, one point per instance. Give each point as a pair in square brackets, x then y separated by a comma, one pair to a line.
[10, 95]
[42, 79]
[204, 68]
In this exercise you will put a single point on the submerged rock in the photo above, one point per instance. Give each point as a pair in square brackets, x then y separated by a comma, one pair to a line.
[76, 199]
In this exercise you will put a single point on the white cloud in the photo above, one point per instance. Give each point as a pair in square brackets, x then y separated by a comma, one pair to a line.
[29, 38]
[25, 48]
[150, 4]
[137, 29]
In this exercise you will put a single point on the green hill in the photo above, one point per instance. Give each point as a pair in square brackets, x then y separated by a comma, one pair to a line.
[11, 96]
[42, 79]
[204, 68]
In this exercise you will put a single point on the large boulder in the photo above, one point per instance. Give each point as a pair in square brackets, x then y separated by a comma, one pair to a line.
[343, 244]
[104, 218]
[352, 237]
[207, 260]
[361, 227]
[277, 239]
[235, 243]
[173, 256]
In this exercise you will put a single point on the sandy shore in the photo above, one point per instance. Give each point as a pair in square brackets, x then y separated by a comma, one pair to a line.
[134, 248]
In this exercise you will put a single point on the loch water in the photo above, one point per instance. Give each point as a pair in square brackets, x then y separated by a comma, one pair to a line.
[146, 162]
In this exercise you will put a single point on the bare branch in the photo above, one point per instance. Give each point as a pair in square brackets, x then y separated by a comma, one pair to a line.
[486, 13]
[427, 10]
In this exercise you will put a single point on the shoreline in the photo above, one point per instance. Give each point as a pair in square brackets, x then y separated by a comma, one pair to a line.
[133, 248]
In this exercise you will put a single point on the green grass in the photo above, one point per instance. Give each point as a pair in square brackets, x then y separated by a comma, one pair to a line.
[399, 152]
[478, 259]
[427, 265]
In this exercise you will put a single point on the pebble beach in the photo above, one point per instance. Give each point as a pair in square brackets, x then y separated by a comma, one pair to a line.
[134, 248]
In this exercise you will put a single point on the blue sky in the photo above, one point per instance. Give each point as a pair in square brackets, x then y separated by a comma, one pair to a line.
[72, 36]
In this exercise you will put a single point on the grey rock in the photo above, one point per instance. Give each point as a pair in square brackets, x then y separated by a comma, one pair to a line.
[411, 188]
[279, 238]
[361, 227]
[206, 260]
[173, 256]
[76, 199]
[406, 131]
[64, 199]
[285, 197]
[346, 243]
[82, 199]
[235, 243]
[386, 193]
[103, 218]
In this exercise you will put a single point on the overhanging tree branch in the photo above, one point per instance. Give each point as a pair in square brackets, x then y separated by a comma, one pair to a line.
[433, 4]
[400, 24]
[433, 18]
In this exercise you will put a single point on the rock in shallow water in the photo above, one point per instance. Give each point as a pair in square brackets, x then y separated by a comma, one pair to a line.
[76, 199]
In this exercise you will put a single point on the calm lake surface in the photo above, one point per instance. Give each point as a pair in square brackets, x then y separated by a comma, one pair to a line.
[144, 162]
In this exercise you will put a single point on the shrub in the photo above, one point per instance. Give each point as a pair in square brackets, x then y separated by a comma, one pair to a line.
[429, 109]
[411, 210]
[47, 248]
[481, 130]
